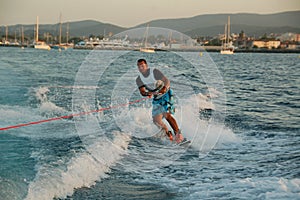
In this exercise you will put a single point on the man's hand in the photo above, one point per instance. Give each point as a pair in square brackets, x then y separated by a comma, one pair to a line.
[163, 90]
[149, 94]
[160, 92]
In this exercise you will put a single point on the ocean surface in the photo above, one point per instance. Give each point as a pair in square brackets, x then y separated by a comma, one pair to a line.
[241, 113]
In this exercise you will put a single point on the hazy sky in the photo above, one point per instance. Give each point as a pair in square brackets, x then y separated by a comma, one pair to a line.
[127, 13]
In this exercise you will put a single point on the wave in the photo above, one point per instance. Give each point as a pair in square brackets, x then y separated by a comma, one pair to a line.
[83, 170]
[204, 133]
[251, 188]
[47, 108]
[273, 187]
[59, 179]
[18, 115]
[87, 87]
[13, 115]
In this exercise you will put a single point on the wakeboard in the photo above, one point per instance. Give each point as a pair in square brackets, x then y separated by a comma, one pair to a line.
[185, 142]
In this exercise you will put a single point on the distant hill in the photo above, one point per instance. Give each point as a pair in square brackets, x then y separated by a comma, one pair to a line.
[252, 24]
[237, 28]
[201, 25]
[76, 29]
[87, 27]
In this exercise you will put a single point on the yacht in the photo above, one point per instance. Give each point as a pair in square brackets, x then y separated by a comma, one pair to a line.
[227, 47]
[39, 44]
[147, 49]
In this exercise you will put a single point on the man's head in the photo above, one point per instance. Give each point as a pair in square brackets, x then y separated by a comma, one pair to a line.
[142, 65]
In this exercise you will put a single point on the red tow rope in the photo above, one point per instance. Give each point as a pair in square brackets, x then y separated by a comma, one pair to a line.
[72, 115]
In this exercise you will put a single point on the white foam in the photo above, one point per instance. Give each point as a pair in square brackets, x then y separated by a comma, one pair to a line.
[204, 134]
[50, 109]
[136, 121]
[86, 87]
[203, 102]
[213, 93]
[276, 188]
[81, 171]
[47, 107]
[14, 115]
[41, 94]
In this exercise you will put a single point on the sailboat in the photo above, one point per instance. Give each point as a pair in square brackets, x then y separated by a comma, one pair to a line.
[39, 44]
[61, 45]
[147, 49]
[227, 47]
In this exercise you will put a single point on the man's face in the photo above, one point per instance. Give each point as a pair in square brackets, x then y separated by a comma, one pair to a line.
[142, 66]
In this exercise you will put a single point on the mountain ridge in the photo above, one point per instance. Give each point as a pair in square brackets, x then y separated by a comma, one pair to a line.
[199, 25]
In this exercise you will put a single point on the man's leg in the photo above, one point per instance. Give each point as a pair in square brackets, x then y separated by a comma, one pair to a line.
[157, 120]
[171, 120]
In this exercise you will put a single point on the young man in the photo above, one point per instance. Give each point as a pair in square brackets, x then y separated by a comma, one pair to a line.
[151, 82]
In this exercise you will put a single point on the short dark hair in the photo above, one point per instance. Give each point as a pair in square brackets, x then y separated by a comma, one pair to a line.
[142, 60]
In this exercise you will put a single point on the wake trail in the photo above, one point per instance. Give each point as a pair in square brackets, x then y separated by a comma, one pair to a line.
[82, 170]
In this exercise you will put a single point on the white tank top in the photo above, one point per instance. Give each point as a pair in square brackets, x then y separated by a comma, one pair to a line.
[150, 80]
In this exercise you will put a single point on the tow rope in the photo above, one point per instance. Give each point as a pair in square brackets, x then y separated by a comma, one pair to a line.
[72, 115]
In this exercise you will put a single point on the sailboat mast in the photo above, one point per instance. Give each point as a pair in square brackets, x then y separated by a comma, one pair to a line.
[67, 32]
[225, 36]
[22, 34]
[6, 33]
[170, 39]
[227, 47]
[146, 35]
[15, 36]
[59, 40]
[228, 29]
[37, 29]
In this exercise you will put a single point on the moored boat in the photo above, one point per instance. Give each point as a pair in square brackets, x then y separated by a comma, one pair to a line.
[227, 47]
[39, 44]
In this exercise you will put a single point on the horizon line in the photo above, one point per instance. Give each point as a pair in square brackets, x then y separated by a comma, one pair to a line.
[90, 19]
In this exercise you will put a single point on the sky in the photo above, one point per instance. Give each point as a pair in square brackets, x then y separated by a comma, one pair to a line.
[128, 13]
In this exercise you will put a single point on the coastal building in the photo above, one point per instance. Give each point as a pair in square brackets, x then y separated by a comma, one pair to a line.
[293, 45]
[266, 43]
[290, 45]
[289, 37]
[241, 41]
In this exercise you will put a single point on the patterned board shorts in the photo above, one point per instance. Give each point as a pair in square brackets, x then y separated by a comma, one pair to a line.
[163, 104]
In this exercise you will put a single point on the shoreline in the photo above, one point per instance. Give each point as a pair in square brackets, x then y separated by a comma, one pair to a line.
[197, 49]
[183, 49]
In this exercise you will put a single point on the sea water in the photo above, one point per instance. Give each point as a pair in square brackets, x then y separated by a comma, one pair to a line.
[240, 111]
